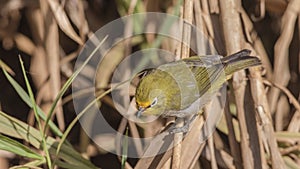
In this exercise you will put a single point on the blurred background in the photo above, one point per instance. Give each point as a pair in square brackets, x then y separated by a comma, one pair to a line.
[261, 123]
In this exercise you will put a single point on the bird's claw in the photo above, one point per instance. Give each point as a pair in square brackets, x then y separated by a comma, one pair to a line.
[185, 128]
[173, 129]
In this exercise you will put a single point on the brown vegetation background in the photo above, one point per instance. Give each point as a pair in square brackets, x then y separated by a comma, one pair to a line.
[260, 126]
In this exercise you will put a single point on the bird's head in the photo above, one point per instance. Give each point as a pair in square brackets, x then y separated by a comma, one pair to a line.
[157, 93]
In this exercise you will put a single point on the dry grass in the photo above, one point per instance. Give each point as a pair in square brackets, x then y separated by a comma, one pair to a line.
[261, 122]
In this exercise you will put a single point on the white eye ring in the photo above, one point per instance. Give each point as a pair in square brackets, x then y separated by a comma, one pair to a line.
[154, 102]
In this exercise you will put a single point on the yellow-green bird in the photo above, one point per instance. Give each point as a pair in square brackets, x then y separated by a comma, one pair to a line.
[182, 87]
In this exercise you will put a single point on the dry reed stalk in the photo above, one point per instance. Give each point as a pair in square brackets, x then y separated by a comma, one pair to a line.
[234, 40]
[191, 147]
[214, 6]
[259, 94]
[210, 140]
[185, 52]
[233, 144]
[266, 127]
[258, 141]
[281, 54]
[38, 66]
[292, 100]
[266, 131]
[51, 44]
[255, 41]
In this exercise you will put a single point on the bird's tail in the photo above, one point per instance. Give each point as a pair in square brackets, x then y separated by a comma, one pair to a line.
[239, 61]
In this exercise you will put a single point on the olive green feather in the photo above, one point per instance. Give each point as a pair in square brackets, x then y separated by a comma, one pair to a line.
[179, 84]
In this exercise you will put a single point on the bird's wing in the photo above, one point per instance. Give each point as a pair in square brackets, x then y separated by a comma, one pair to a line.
[208, 71]
[146, 72]
[203, 61]
[195, 76]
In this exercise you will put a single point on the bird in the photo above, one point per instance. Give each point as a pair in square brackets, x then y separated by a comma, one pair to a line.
[181, 88]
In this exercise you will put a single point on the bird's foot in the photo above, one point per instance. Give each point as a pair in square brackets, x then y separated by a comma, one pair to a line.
[185, 128]
[173, 129]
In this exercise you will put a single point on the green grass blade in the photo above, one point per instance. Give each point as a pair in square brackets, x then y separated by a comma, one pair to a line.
[6, 67]
[32, 100]
[69, 82]
[290, 163]
[125, 149]
[287, 135]
[15, 128]
[30, 165]
[15, 147]
[24, 96]
[71, 125]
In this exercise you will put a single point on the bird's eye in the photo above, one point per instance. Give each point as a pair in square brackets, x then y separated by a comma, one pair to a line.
[154, 102]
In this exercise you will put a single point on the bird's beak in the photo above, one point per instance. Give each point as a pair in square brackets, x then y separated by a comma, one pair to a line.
[139, 112]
